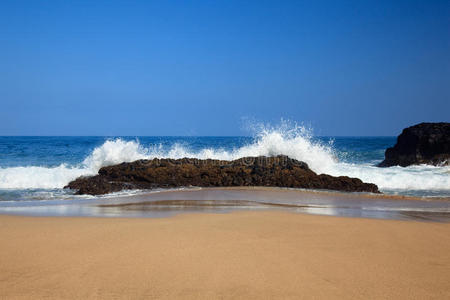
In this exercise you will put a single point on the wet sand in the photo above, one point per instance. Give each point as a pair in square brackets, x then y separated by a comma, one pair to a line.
[246, 255]
[293, 200]
[164, 203]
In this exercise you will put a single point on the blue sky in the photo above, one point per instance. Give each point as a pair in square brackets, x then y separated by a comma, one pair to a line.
[202, 67]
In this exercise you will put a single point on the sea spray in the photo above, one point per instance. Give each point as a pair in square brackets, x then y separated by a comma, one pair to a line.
[32, 177]
[114, 152]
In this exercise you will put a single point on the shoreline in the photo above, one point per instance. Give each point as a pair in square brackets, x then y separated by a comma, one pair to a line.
[166, 203]
[245, 254]
[310, 191]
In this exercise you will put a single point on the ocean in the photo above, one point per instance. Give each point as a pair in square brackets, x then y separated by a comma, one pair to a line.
[37, 168]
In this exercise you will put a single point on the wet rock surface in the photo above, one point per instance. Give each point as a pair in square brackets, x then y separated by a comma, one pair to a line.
[279, 171]
[425, 143]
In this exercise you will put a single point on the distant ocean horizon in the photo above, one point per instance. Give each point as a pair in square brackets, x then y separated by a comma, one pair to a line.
[38, 167]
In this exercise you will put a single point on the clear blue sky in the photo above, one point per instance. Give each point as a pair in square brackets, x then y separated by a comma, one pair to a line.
[200, 67]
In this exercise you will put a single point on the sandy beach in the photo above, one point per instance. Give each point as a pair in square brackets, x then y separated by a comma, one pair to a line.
[243, 255]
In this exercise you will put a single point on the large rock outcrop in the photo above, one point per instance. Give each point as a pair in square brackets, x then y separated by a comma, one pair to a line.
[425, 143]
[279, 171]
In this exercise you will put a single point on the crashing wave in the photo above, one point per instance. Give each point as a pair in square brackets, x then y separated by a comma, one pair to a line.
[291, 140]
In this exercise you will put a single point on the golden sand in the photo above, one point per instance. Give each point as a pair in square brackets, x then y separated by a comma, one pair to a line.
[237, 255]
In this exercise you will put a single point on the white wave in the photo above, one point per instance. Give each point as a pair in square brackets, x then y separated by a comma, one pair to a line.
[39, 177]
[32, 177]
[294, 141]
[422, 177]
[114, 152]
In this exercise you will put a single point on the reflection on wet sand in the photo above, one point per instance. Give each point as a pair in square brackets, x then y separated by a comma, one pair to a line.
[174, 204]
[312, 202]
[164, 203]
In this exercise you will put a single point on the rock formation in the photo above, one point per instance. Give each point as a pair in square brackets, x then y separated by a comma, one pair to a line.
[279, 171]
[425, 143]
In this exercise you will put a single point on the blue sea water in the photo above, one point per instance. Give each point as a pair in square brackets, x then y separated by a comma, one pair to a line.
[37, 168]
[52, 151]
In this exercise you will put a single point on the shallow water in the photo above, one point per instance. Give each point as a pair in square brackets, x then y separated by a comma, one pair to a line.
[164, 203]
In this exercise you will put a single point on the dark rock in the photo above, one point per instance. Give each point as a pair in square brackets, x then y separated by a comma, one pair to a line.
[425, 143]
[280, 171]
